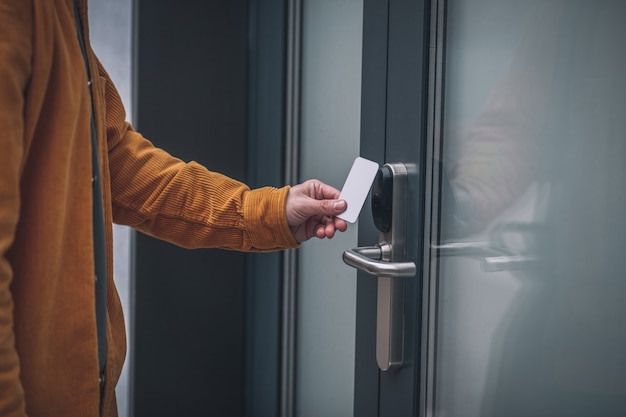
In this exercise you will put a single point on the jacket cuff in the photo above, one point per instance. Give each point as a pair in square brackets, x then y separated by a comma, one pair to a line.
[266, 220]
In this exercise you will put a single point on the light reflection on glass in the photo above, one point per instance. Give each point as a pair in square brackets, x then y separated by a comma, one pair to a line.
[532, 282]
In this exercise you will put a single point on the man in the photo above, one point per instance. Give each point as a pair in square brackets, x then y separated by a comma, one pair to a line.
[70, 165]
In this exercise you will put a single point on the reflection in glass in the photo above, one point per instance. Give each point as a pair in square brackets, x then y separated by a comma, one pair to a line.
[532, 282]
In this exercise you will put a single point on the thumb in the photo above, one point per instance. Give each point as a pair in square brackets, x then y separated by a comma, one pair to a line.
[332, 207]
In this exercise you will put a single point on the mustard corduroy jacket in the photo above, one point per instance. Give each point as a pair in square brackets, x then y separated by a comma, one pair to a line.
[48, 340]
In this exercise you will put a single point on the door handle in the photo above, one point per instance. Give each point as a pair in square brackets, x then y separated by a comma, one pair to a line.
[370, 259]
[387, 261]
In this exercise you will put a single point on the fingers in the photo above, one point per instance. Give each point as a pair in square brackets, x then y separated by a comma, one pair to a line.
[340, 224]
[311, 210]
[328, 226]
[325, 231]
[329, 207]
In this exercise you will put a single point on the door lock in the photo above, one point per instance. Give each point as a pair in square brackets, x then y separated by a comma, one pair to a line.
[387, 261]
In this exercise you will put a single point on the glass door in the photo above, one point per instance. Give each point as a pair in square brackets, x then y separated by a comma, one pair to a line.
[509, 115]
[527, 283]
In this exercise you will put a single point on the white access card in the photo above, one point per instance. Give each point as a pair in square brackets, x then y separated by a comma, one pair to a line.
[357, 187]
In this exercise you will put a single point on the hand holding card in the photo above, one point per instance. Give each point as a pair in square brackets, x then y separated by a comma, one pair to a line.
[357, 187]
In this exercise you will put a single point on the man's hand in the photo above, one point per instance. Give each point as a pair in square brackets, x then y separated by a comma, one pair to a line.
[311, 209]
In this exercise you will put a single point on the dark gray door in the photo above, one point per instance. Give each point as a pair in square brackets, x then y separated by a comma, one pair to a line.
[393, 131]
[510, 116]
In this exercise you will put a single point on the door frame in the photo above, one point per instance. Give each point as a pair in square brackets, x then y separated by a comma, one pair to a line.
[396, 36]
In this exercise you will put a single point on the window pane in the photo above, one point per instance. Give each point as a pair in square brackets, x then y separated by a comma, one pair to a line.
[326, 301]
[532, 285]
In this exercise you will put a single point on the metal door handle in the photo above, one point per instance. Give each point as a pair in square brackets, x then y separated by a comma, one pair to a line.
[387, 261]
[370, 259]
[390, 309]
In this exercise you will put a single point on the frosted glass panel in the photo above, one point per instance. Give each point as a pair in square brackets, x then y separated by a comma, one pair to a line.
[330, 120]
[532, 285]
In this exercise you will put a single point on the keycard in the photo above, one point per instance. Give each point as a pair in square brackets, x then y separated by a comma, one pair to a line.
[357, 187]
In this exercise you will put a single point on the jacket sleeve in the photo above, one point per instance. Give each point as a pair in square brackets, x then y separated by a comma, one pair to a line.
[185, 203]
[15, 68]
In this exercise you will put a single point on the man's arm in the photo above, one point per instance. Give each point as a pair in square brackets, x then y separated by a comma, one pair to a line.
[188, 205]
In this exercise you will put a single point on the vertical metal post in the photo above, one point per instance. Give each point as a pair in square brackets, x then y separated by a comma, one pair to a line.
[290, 261]
[431, 212]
